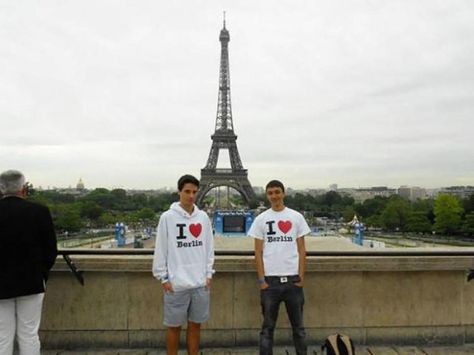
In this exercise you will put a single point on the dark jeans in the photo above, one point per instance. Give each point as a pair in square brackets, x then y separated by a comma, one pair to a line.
[271, 298]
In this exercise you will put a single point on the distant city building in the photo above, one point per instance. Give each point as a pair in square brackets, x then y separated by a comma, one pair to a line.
[460, 191]
[418, 193]
[148, 192]
[315, 192]
[412, 193]
[80, 185]
[404, 192]
[312, 192]
[70, 191]
[432, 193]
[366, 193]
[333, 187]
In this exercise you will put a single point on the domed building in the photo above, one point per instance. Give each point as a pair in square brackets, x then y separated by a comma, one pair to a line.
[80, 185]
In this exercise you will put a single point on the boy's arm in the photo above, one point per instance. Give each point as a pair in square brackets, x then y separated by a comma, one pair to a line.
[160, 258]
[210, 253]
[301, 259]
[256, 233]
[259, 263]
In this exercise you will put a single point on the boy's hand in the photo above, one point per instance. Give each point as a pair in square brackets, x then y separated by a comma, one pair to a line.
[167, 287]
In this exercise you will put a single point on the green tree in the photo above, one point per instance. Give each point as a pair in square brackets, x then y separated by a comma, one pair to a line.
[119, 194]
[468, 204]
[91, 210]
[426, 206]
[254, 203]
[146, 214]
[418, 222]
[108, 219]
[371, 207]
[372, 221]
[395, 214]
[299, 202]
[67, 217]
[447, 211]
[101, 197]
[138, 201]
[52, 197]
[348, 213]
[331, 198]
[468, 225]
[130, 218]
[163, 201]
[41, 199]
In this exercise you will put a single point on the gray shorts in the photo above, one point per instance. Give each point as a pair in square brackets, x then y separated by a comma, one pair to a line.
[188, 305]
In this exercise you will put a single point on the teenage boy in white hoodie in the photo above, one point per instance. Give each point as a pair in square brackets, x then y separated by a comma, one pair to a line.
[280, 257]
[183, 261]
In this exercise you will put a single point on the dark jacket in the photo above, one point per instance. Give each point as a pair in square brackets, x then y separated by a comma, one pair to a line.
[27, 247]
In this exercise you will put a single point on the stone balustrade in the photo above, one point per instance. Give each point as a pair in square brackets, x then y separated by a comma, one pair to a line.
[376, 300]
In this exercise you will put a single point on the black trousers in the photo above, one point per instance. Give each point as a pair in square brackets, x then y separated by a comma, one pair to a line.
[270, 298]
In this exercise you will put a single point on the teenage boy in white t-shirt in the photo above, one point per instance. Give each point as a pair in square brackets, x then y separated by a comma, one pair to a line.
[183, 261]
[280, 256]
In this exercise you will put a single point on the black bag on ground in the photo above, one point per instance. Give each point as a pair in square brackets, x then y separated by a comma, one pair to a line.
[338, 344]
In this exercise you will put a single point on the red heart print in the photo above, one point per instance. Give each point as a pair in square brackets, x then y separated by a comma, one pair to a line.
[284, 226]
[195, 229]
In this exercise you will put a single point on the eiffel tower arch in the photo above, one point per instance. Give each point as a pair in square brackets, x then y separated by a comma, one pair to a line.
[224, 138]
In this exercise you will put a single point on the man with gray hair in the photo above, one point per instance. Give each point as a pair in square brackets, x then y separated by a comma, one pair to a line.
[27, 252]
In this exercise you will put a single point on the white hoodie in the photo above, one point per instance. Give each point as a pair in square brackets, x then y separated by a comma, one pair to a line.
[184, 249]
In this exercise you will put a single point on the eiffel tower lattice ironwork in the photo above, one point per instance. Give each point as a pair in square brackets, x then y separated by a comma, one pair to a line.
[224, 138]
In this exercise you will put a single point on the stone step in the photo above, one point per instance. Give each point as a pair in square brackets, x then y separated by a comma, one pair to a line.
[467, 349]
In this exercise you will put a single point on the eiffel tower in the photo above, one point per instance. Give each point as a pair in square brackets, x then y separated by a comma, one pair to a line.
[224, 138]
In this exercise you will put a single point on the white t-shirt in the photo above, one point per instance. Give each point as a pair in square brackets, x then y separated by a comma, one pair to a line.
[279, 231]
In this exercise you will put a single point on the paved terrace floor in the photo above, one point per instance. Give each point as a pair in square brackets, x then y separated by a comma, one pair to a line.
[360, 350]
[247, 243]
[312, 243]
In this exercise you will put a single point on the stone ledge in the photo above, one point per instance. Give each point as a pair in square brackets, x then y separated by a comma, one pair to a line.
[363, 350]
[143, 263]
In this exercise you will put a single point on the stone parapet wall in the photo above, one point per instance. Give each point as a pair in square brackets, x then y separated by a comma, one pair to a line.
[376, 300]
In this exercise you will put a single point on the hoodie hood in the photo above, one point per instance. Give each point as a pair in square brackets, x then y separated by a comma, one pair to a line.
[176, 208]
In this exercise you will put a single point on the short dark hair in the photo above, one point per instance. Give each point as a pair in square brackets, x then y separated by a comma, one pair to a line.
[187, 179]
[275, 183]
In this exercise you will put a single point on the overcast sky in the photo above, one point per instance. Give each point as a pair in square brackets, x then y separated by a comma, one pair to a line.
[124, 93]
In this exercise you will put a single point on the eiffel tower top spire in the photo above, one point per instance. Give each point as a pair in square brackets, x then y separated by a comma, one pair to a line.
[224, 123]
